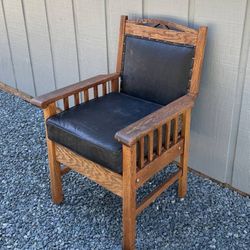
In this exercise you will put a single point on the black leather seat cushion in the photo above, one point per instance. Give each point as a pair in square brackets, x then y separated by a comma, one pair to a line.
[88, 129]
[156, 71]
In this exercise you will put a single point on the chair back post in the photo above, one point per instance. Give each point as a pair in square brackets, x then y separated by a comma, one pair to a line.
[198, 61]
[115, 82]
[121, 43]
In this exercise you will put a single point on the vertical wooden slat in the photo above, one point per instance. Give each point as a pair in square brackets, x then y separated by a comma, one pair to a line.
[76, 98]
[86, 95]
[159, 142]
[176, 121]
[95, 91]
[167, 135]
[66, 103]
[182, 189]
[129, 196]
[150, 146]
[141, 156]
[115, 85]
[104, 88]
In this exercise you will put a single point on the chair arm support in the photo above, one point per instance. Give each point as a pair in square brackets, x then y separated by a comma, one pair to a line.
[44, 100]
[132, 133]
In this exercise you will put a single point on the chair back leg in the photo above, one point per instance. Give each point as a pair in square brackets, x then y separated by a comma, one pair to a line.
[129, 197]
[182, 189]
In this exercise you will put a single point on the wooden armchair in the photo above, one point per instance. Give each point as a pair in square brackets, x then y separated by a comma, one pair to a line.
[138, 119]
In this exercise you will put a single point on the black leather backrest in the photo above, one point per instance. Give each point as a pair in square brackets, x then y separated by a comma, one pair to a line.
[156, 71]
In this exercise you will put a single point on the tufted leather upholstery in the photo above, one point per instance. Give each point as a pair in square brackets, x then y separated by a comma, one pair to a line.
[156, 71]
[88, 129]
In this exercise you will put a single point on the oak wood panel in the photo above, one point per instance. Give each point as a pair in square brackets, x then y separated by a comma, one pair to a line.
[97, 173]
[161, 34]
[157, 192]
[133, 132]
[170, 25]
[159, 163]
[43, 100]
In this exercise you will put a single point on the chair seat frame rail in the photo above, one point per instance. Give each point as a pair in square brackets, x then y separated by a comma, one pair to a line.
[160, 128]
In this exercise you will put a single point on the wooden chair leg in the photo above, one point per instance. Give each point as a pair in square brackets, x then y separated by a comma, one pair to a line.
[54, 165]
[129, 197]
[55, 174]
[182, 189]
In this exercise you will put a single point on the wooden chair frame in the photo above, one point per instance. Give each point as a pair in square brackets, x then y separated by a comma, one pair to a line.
[135, 173]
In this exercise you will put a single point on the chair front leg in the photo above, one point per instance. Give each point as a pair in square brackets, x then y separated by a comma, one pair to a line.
[54, 165]
[182, 189]
[129, 197]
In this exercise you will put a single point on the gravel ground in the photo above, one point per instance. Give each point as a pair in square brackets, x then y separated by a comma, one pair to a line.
[210, 217]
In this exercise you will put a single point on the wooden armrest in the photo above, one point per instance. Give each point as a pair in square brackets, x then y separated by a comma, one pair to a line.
[132, 133]
[44, 100]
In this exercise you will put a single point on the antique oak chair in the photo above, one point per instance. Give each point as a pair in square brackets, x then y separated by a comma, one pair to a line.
[125, 127]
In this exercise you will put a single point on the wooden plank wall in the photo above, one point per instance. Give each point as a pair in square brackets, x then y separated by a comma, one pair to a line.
[48, 44]
[241, 171]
